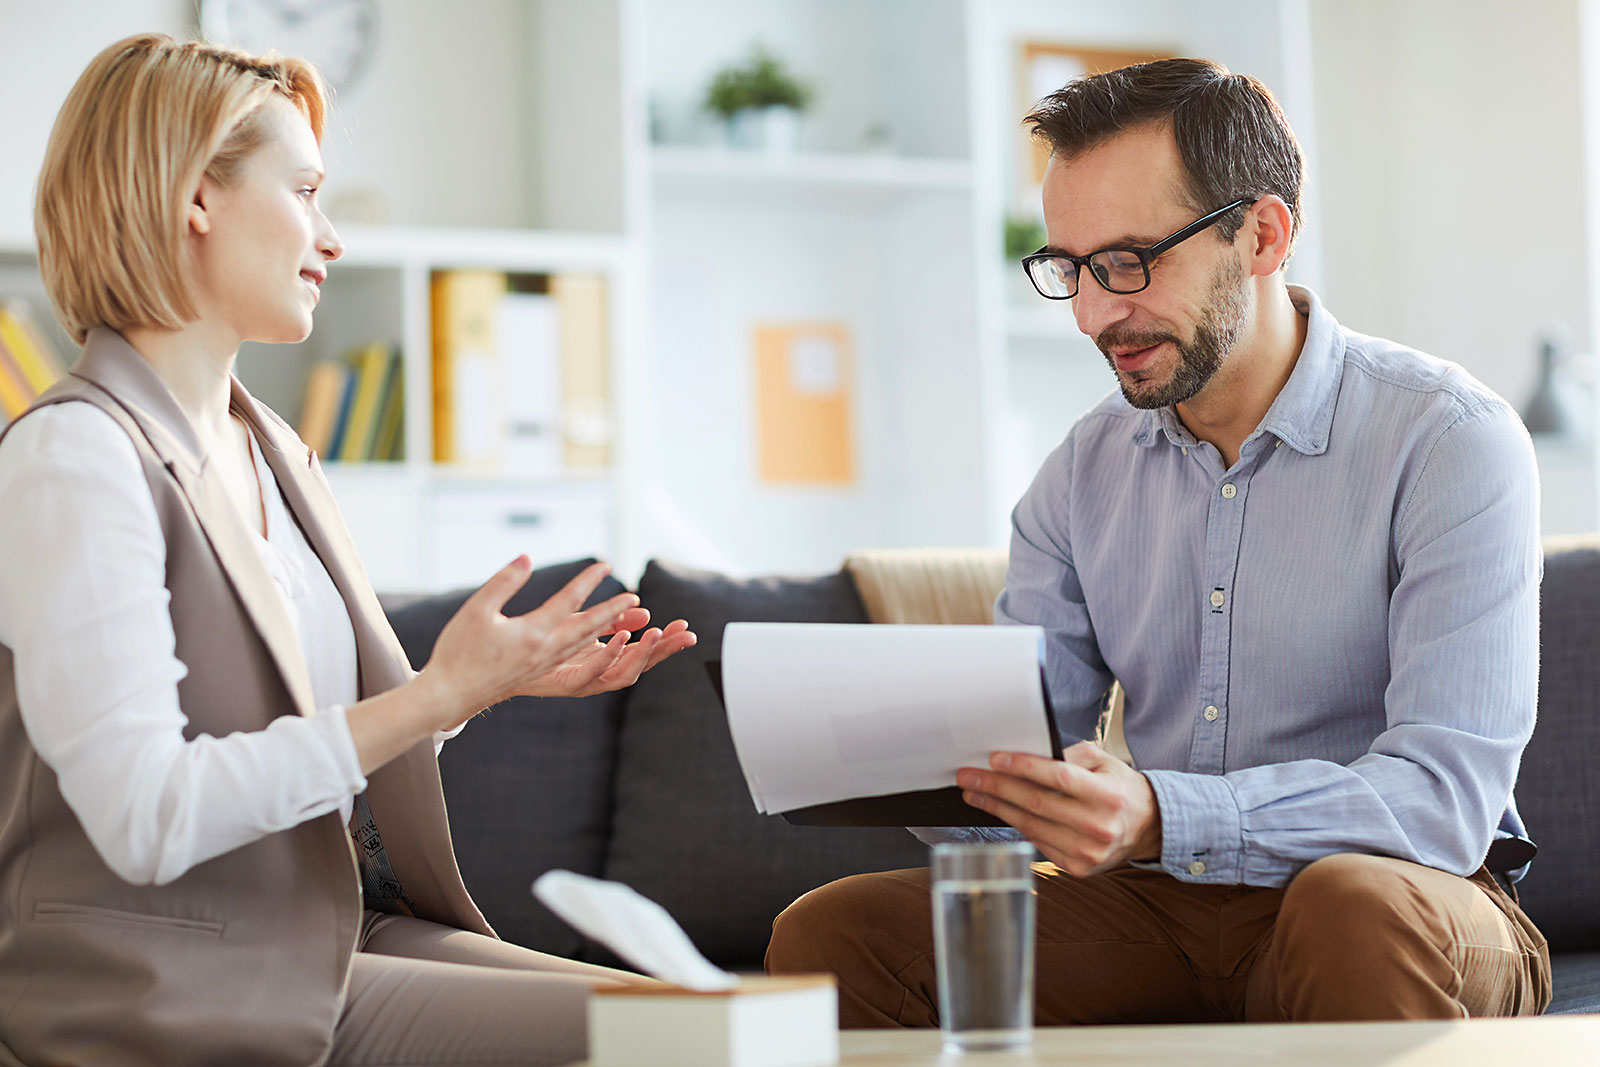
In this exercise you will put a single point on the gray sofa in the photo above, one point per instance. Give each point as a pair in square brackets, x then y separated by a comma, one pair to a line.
[643, 787]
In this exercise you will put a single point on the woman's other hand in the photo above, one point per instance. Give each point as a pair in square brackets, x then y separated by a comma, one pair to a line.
[482, 656]
[615, 664]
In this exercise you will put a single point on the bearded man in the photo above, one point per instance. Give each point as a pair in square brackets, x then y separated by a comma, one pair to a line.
[1311, 558]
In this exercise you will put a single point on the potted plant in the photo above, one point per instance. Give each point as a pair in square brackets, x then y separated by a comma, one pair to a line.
[760, 101]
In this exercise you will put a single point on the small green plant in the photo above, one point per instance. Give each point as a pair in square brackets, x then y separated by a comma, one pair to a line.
[762, 82]
[1024, 236]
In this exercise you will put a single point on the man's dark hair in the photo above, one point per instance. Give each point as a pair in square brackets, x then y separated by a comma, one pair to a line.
[1232, 137]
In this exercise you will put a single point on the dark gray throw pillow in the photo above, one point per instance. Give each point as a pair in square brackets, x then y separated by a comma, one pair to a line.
[528, 783]
[685, 831]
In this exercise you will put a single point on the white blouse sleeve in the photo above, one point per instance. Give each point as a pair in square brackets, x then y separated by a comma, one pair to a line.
[84, 609]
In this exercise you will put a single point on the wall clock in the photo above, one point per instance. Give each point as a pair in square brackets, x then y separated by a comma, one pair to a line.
[336, 35]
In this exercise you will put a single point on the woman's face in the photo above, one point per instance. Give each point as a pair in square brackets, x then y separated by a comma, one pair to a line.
[261, 244]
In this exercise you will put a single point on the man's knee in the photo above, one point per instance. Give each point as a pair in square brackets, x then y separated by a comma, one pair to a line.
[1358, 938]
[1341, 898]
[830, 921]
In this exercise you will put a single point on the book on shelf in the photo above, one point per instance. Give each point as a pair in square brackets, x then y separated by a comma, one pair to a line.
[15, 396]
[348, 403]
[520, 373]
[341, 415]
[390, 442]
[320, 409]
[372, 365]
[40, 364]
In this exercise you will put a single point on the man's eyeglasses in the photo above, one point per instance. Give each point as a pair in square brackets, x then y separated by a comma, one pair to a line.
[1118, 270]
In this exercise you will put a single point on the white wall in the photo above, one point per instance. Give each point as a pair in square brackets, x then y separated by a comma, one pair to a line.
[43, 48]
[1452, 191]
[442, 141]
[1452, 176]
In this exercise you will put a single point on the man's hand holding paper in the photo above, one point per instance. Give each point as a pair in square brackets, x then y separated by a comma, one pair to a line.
[1087, 812]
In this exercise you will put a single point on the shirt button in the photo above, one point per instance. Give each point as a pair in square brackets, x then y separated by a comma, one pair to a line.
[1217, 599]
[1197, 868]
[1230, 491]
[1212, 713]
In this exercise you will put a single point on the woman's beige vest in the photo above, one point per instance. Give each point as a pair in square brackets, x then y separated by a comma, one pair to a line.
[244, 959]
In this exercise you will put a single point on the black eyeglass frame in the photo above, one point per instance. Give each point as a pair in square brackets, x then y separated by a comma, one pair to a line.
[1146, 255]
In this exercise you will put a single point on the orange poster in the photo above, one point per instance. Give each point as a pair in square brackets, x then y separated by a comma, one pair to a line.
[803, 380]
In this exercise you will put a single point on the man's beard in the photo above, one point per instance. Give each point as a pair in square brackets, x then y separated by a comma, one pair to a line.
[1199, 359]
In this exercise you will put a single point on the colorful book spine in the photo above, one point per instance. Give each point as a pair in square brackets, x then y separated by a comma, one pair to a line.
[320, 409]
[40, 366]
[341, 420]
[390, 444]
[371, 366]
[15, 396]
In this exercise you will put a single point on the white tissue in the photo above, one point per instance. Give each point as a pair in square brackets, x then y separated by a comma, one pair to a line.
[631, 925]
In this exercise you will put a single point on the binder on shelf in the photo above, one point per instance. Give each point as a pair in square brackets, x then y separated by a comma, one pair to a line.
[468, 375]
[371, 366]
[585, 375]
[37, 360]
[320, 409]
[530, 347]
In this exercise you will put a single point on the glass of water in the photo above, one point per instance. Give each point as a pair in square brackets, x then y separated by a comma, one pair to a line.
[983, 908]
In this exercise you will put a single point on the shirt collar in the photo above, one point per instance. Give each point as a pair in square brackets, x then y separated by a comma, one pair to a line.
[1302, 414]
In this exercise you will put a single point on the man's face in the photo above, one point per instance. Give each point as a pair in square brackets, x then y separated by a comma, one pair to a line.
[1165, 344]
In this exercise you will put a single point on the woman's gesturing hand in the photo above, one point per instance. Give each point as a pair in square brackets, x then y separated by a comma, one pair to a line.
[614, 664]
[483, 657]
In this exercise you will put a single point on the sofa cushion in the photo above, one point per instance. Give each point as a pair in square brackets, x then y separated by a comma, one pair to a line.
[686, 833]
[1558, 788]
[528, 782]
[1577, 983]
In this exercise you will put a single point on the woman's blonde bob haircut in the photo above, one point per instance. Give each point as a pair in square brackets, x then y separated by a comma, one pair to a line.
[146, 119]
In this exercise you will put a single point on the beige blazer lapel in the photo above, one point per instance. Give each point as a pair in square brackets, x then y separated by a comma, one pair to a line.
[111, 363]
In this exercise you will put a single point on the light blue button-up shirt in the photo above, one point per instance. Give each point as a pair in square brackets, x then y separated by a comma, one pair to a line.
[1332, 645]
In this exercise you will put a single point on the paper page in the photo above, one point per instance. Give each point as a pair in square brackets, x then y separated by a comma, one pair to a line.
[822, 712]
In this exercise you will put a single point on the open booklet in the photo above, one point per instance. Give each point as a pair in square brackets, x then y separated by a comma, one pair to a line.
[866, 725]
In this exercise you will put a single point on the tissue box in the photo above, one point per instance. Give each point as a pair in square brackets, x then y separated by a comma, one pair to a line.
[761, 1022]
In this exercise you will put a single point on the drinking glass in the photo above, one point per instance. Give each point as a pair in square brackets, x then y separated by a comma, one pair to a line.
[983, 922]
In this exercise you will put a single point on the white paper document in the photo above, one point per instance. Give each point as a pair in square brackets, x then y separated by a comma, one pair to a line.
[822, 712]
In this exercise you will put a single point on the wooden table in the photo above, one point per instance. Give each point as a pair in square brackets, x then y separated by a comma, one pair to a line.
[1543, 1042]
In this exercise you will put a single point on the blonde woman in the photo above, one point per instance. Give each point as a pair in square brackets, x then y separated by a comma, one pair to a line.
[199, 695]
